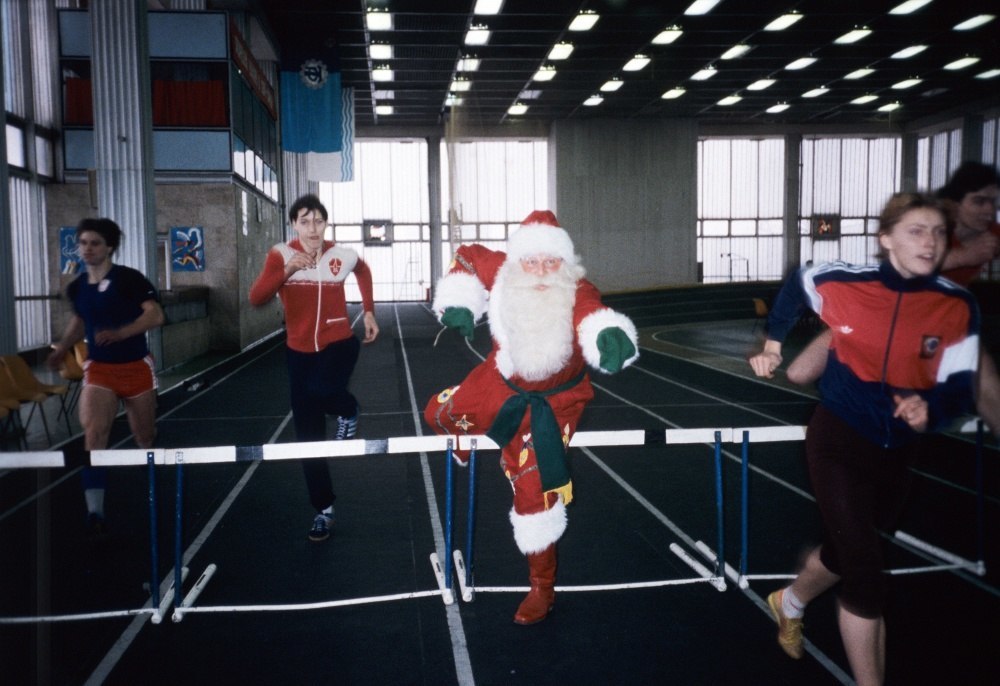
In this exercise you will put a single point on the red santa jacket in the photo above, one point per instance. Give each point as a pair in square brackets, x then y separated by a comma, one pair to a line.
[314, 302]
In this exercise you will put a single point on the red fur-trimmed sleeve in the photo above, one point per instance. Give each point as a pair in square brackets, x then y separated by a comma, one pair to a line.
[470, 277]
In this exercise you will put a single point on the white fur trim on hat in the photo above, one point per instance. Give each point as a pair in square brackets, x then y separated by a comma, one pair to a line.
[533, 533]
[541, 239]
[459, 289]
[594, 324]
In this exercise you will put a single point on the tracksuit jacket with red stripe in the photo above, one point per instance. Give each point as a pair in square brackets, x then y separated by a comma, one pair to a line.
[891, 335]
[314, 301]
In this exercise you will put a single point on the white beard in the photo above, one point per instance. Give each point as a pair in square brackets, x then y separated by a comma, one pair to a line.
[534, 327]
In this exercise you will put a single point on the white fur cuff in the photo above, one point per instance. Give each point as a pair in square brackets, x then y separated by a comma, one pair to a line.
[459, 289]
[534, 533]
[593, 324]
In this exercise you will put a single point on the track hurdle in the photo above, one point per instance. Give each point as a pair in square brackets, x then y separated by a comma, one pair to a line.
[714, 438]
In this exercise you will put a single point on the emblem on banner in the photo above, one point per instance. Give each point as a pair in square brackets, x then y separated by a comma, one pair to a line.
[313, 74]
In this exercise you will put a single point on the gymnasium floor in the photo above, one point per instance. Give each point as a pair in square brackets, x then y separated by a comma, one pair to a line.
[250, 520]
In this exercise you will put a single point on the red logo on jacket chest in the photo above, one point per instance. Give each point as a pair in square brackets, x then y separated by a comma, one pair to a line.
[335, 265]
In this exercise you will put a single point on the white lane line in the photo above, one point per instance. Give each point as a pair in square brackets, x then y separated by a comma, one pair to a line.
[459, 643]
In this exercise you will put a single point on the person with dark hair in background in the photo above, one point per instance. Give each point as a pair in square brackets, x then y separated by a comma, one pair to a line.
[308, 274]
[902, 362]
[113, 307]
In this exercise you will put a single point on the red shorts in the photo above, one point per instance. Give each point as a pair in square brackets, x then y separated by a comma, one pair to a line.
[124, 379]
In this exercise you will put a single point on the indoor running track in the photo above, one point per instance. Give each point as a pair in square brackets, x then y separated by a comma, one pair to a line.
[250, 520]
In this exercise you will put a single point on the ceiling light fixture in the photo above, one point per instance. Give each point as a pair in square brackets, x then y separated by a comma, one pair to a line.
[530, 94]
[961, 63]
[783, 22]
[761, 84]
[674, 93]
[478, 34]
[816, 92]
[704, 74]
[460, 85]
[889, 107]
[584, 21]
[451, 100]
[736, 51]
[667, 35]
[801, 63]
[380, 51]
[517, 109]
[991, 74]
[974, 22]
[701, 7]
[384, 95]
[487, 7]
[378, 20]
[593, 100]
[544, 73]
[612, 85]
[780, 107]
[908, 52]
[636, 63]
[561, 51]
[908, 7]
[853, 36]
[864, 99]
[729, 100]
[859, 74]
[384, 109]
[906, 83]
[383, 72]
[467, 63]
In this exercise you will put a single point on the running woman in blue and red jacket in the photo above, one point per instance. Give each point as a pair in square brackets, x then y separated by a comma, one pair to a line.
[902, 362]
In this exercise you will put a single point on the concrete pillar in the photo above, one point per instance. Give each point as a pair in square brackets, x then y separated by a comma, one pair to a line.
[972, 138]
[123, 149]
[434, 206]
[793, 164]
[123, 133]
[8, 332]
[908, 163]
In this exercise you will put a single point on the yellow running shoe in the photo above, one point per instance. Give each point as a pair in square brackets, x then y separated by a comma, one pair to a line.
[789, 630]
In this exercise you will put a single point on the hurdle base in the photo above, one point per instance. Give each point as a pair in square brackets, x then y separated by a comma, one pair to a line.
[468, 592]
[446, 593]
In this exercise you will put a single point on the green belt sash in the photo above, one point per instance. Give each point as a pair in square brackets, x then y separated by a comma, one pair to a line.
[545, 434]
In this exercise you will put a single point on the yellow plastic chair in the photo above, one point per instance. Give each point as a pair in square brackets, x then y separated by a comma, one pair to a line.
[760, 311]
[30, 389]
[10, 405]
[71, 369]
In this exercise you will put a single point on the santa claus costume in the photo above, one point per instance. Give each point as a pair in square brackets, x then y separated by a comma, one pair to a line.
[547, 324]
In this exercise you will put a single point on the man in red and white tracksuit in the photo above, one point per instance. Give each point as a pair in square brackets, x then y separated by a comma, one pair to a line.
[547, 324]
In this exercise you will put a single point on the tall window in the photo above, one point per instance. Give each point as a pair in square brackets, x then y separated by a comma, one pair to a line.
[384, 213]
[938, 154]
[844, 184]
[740, 208]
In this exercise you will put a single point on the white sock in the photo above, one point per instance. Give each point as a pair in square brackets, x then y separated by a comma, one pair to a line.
[328, 511]
[94, 497]
[791, 606]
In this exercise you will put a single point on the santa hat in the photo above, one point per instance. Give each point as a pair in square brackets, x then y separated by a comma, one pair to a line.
[540, 234]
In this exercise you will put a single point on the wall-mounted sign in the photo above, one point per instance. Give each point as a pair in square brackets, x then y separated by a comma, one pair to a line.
[187, 249]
